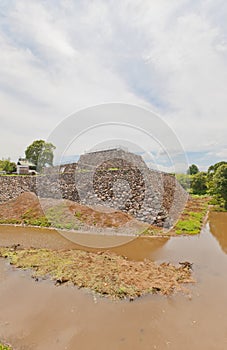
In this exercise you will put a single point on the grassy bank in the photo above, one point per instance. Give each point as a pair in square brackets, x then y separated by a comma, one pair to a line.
[190, 221]
[192, 218]
[217, 204]
[5, 347]
[73, 216]
[28, 210]
[104, 273]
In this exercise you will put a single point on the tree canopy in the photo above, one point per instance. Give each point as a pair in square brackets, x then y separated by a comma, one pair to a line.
[213, 182]
[7, 166]
[193, 169]
[199, 183]
[220, 183]
[213, 168]
[40, 153]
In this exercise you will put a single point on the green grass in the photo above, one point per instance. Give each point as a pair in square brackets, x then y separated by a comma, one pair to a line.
[78, 214]
[57, 218]
[191, 221]
[191, 226]
[17, 175]
[5, 347]
[29, 219]
[10, 222]
[41, 222]
[217, 204]
[151, 231]
[83, 170]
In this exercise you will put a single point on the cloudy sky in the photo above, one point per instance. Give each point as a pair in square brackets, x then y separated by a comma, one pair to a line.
[167, 56]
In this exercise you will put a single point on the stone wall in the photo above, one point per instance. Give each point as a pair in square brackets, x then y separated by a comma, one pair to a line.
[112, 178]
[108, 157]
[13, 186]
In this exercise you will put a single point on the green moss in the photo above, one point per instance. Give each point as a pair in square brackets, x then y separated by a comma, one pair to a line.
[78, 215]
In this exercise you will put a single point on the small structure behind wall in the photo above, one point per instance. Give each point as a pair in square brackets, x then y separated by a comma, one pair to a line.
[24, 167]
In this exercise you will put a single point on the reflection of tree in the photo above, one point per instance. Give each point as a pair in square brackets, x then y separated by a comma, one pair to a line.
[218, 228]
[141, 248]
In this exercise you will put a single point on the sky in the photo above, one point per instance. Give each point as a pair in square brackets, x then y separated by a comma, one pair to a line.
[170, 57]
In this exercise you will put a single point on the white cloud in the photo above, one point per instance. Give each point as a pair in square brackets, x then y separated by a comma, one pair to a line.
[220, 154]
[58, 57]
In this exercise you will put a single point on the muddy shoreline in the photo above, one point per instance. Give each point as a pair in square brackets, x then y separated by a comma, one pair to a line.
[104, 273]
[135, 229]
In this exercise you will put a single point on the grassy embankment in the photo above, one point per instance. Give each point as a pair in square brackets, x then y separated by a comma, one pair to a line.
[192, 218]
[27, 210]
[217, 205]
[5, 347]
[58, 216]
[190, 221]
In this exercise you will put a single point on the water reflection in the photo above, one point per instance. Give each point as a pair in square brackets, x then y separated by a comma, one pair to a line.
[142, 248]
[41, 316]
[139, 249]
[218, 228]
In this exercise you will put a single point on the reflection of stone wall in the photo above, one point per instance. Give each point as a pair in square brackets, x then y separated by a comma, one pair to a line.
[113, 178]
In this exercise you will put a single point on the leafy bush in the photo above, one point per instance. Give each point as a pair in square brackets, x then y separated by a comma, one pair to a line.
[220, 184]
[199, 183]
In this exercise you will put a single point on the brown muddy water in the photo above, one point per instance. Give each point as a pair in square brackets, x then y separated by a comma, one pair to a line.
[42, 316]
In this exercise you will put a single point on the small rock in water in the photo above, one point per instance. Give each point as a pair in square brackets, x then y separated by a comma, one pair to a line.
[186, 264]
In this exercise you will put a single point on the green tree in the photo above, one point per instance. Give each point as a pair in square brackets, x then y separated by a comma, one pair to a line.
[40, 153]
[199, 183]
[210, 176]
[184, 180]
[193, 169]
[7, 166]
[220, 183]
[213, 168]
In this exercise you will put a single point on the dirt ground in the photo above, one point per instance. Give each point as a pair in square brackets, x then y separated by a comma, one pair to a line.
[62, 212]
[28, 209]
